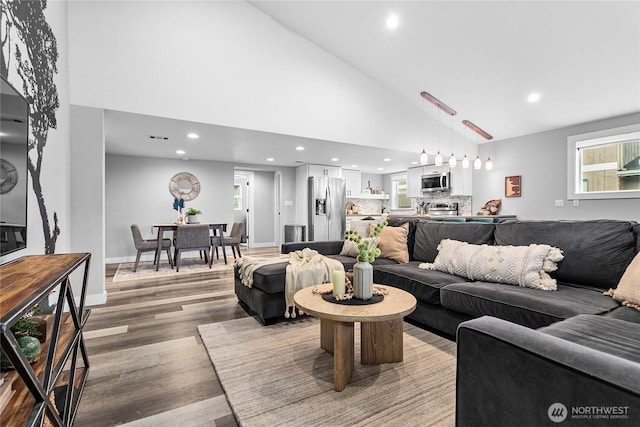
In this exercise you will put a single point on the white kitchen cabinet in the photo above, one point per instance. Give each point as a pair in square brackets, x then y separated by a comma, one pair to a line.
[354, 186]
[322, 170]
[461, 181]
[414, 183]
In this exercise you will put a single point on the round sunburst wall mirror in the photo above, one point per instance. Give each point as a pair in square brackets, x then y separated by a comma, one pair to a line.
[184, 186]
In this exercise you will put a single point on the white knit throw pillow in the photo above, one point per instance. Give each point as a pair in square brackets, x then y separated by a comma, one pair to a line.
[526, 266]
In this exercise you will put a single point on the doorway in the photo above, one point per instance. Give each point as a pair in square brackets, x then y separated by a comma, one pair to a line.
[243, 204]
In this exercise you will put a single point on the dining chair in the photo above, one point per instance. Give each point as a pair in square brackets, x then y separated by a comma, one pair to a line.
[148, 245]
[233, 240]
[193, 237]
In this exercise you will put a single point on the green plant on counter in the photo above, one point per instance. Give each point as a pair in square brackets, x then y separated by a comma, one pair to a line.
[193, 211]
[368, 247]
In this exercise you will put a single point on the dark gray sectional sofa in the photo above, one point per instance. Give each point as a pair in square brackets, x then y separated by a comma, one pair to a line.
[526, 349]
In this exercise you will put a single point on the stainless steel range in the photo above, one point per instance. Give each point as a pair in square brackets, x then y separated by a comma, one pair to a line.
[443, 209]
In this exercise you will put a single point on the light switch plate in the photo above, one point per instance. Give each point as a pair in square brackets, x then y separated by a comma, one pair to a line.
[559, 203]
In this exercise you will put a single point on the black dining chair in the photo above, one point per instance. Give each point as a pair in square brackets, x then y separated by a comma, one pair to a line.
[233, 240]
[194, 237]
[148, 245]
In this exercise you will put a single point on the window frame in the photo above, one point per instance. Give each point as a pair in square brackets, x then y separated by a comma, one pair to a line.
[237, 197]
[574, 172]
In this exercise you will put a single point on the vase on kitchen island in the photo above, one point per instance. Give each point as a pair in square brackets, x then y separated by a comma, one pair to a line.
[363, 280]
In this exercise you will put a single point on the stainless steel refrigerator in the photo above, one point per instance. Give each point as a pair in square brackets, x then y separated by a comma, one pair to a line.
[327, 216]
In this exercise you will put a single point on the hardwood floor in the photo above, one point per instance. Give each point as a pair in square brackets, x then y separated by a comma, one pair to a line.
[148, 364]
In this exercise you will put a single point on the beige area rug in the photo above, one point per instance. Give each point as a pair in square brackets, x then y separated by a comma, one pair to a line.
[147, 270]
[279, 375]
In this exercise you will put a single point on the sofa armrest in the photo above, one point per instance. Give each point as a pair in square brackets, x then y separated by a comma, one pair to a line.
[508, 374]
[331, 247]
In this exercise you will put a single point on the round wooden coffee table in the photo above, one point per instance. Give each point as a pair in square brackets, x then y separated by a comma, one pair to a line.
[380, 328]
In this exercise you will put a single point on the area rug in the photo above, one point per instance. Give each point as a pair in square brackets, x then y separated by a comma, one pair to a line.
[279, 375]
[147, 270]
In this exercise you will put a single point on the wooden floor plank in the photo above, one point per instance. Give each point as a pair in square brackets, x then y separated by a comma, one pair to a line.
[148, 364]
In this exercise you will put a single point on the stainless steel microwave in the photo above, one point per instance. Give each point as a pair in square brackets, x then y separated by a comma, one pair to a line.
[436, 181]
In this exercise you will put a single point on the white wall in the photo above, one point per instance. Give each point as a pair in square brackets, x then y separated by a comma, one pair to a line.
[55, 167]
[137, 192]
[264, 209]
[227, 63]
[87, 188]
[541, 160]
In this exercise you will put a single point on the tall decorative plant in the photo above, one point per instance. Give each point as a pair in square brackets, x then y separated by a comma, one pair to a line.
[367, 252]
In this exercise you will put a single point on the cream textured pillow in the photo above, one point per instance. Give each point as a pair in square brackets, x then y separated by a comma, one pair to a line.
[393, 243]
[628, 290]
[350, 248]
[526, 266]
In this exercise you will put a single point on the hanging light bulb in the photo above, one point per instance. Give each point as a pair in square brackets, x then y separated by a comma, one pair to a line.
[438, 159]
[465, 159]
[424, 158]
[477, 163]
[488, 164]
[452, 158]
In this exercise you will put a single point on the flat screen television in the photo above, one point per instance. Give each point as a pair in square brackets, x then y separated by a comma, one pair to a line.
[14, 147]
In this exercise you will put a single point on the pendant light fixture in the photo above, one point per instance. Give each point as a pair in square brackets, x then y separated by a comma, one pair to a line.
[435, 101]
[452, 158]
[477, 163]
[424, 157]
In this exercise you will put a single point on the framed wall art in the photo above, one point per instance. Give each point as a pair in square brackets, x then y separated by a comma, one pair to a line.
[513, 186]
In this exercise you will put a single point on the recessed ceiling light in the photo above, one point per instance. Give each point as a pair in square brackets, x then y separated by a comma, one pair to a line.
[380, 169]
[180, 151]
[270, 159]
[193, 135]
[392, 22]
[414, 163]
[185, 158]
[533, 97]
[354, 166]
[386, 160]
[300, 148]
[335, 159]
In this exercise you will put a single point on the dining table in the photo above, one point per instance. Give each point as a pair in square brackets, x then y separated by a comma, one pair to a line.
[217, 228]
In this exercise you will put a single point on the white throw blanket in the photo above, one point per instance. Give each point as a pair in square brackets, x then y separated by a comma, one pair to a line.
[306, 268]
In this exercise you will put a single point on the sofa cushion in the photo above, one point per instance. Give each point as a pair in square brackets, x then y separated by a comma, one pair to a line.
[525, 266]
[430, 234]
[628, 290]
[423, 284]
[625, 313]
[613, 336]
[395, 221]
[596, 252]
[270, 278]
[393, 243]
[529, 307]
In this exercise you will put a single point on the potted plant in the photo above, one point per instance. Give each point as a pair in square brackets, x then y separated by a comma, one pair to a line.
[367, 252]
[29, 331]
[192, 215]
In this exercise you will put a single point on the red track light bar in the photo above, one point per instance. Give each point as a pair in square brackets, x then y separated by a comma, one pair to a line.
[476, 129]
[435, 101]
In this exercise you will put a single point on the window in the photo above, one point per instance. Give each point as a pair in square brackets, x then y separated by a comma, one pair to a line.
[237, 197]
[399, 198]
[605, 165]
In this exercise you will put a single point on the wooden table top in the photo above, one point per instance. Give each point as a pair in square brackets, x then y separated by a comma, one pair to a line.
[396, 304]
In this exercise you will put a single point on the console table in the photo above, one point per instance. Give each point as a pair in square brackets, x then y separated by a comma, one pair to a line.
[50, 388]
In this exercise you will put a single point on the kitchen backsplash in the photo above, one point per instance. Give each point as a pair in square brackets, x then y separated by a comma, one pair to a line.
[370, 206]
